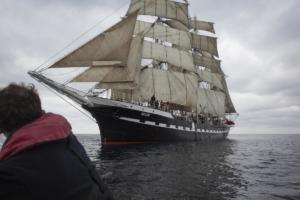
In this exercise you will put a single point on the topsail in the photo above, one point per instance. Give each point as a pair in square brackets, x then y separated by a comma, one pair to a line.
[161, 8]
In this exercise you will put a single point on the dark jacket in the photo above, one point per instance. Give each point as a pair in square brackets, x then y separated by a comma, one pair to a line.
[45, 161]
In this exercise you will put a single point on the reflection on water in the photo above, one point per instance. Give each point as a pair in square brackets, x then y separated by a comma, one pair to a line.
[242, 167]
[192, 170]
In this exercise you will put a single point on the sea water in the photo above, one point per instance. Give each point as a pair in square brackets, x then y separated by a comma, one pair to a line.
[241, 167]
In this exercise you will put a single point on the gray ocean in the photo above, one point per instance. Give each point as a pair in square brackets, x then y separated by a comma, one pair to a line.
[241, 167]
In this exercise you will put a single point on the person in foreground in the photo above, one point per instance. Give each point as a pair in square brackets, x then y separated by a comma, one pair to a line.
[41, 159]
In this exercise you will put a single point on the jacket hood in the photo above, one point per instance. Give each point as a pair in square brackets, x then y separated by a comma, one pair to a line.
[49, 127]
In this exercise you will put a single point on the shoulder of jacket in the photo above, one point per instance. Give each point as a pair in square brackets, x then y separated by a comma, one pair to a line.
[9, 165]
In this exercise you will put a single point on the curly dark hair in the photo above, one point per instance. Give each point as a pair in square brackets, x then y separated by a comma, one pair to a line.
[20, 104]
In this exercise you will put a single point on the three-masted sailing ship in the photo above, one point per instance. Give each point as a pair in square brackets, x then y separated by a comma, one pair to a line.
[162, 72]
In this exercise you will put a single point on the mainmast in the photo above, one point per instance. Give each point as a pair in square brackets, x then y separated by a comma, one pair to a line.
[190, 59]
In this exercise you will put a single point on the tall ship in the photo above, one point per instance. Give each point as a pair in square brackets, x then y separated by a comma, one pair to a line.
[161, 73]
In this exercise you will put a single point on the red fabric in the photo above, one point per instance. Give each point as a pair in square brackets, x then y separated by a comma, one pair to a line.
[229, 122]
[49, 127]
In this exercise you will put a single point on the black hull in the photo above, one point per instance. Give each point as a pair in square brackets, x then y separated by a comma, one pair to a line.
[119, 124]
[115, 130]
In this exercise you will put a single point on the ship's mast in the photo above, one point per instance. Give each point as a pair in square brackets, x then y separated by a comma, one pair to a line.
[190, 57]
[184, 68]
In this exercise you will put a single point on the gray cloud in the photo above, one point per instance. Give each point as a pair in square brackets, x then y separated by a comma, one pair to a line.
[258, 42]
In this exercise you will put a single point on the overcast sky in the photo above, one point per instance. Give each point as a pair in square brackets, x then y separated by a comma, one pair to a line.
[259, 43]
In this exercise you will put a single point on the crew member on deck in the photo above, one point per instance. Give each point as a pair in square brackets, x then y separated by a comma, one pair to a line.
[152, 100]
[41, 159]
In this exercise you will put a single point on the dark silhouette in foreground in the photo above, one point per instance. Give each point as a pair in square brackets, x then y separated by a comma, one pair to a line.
[41, 158]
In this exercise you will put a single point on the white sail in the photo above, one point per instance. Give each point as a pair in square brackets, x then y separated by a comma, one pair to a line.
[141, 26]
[177, 25]
[205, 43]
[183, 87]
[114, 58]
[229, 107]
[161, 8]
[168, 86]
[111, 45]
[216, 78]
[192, 86]
[219, 80]
[208, 61]
[120, 77]
[108, 77]
[145, 88]
[210, 101]
[161, 85]
[178, 88]
[181, 39]
[93, 74]
[135, 57]
[212, 78]
[176, 57]
[202, 25]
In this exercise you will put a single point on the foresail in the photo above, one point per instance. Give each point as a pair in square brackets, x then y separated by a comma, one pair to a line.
[93, 74]
[114, 76]
[161, 8]
[126, 78]
[111, 45]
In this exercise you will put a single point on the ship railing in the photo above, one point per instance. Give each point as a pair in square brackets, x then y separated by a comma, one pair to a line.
[200, 120]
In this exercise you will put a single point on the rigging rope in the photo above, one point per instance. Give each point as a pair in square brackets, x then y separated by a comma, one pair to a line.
[40, 68]
[67, 73]
[60, 96]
